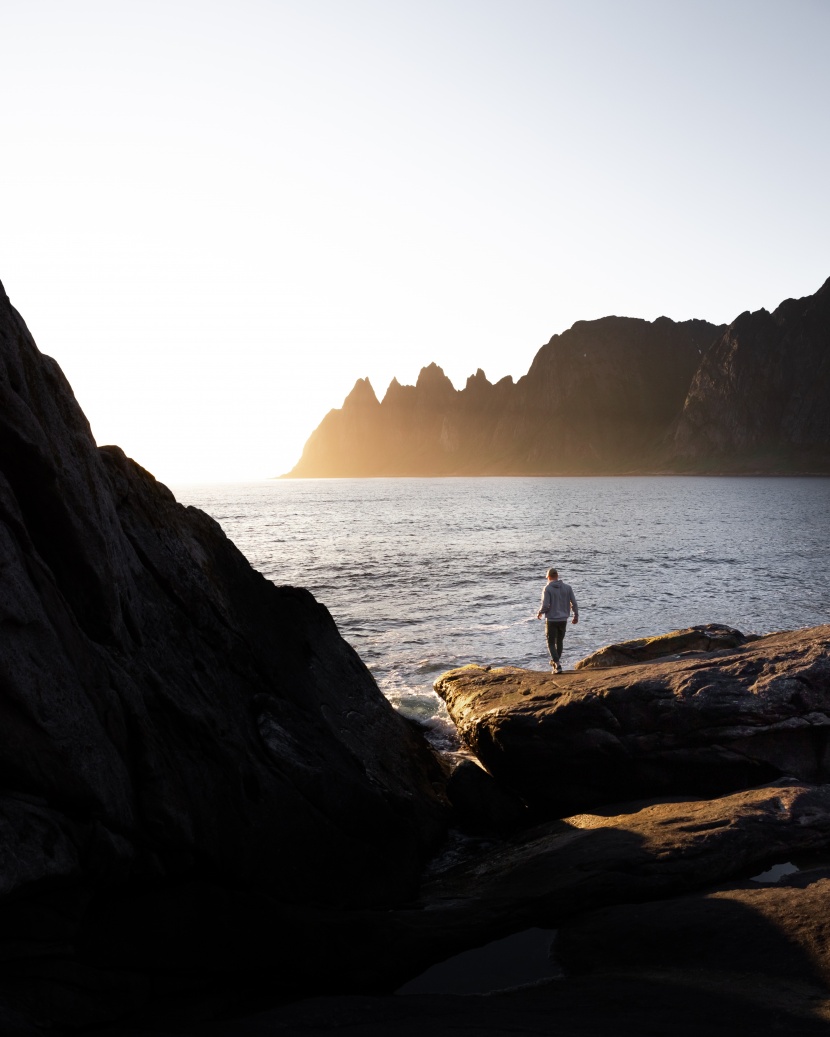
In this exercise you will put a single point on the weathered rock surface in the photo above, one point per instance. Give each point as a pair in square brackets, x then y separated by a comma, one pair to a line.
[176, 730]
[770, 941]
[697, 725]
[707, 637]
[781, 932]
[563, 874]
[480, 804]
[625, 854]
[559, 870]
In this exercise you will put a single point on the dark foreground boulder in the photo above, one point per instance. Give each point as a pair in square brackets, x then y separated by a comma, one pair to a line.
[550, 874]
[188, 751]
[699, 725]
[557, 876]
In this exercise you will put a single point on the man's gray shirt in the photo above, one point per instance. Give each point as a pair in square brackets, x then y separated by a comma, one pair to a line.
[557, 600]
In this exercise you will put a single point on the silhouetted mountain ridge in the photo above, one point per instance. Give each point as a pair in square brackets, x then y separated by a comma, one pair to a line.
[608, 396]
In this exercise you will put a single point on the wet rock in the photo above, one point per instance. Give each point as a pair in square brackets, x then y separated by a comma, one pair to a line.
[707, 637]
[697, 725]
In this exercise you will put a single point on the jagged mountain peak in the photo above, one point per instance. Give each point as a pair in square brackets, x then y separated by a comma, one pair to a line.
[432, 377]
[361, 394]
[478, 380]
[613, 395]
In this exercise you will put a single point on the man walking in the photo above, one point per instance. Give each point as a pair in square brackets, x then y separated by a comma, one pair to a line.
[557, 602]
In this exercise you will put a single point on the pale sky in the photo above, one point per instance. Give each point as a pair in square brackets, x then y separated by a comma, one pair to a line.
[218, 214]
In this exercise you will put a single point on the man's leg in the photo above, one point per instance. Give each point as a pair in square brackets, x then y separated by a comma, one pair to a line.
[555, 635]
[550, 637]
[560, 638]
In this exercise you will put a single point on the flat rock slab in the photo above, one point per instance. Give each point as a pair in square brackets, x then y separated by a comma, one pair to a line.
[562, 869]
[699, 725]
[781, 932]
[651, 851]
[706, 637]
[771, 941]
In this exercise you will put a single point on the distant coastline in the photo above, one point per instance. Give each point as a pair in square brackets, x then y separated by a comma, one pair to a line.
[748, 474]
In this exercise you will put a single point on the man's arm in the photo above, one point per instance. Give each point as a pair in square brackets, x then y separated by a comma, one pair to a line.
[544, 607]
[575, 608]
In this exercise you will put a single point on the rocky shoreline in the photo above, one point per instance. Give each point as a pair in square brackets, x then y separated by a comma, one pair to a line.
[699, 723]
[214, 823]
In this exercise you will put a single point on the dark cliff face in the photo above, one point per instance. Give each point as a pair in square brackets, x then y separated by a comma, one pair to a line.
[172, 721]
[597, 398]
[759, 399]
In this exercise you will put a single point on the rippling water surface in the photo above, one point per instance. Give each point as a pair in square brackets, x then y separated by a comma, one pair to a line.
[425, 574]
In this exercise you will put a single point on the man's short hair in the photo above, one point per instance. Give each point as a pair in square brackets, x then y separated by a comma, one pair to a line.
[553, 574]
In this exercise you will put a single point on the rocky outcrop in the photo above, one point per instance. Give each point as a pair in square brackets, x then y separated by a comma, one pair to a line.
[614, 395]
[642, 851]
[706, 637]
[186, 747]
[695, 725]
[571, 875]
[598, 398]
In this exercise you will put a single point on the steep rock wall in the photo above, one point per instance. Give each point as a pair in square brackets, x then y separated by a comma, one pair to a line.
[759, 400]
[172, 721]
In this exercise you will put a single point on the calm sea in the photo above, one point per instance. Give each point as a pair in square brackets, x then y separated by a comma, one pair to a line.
[422, 575]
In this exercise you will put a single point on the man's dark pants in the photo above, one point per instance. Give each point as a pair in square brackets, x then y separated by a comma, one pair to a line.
[555, 635]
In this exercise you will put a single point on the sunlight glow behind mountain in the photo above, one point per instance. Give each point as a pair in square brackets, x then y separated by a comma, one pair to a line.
[219, 215]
